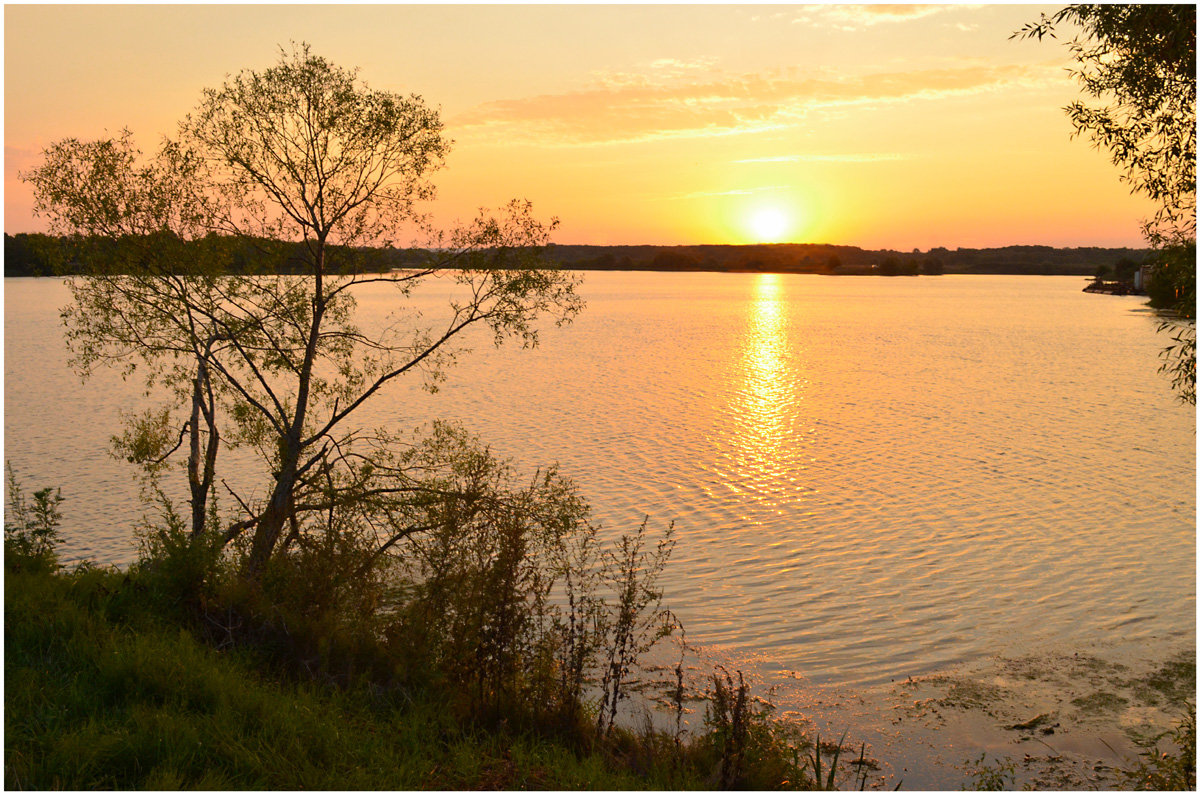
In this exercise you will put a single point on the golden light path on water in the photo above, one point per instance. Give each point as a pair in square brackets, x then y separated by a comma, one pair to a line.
[766, 389]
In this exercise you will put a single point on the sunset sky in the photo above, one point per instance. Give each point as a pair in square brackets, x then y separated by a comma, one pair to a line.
[874, 125]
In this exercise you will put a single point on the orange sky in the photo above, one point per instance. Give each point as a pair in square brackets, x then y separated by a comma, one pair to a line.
[879, 126]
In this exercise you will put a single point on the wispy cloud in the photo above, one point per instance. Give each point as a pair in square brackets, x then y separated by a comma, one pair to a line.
[736, 192]
[863, 157]
[852, 17]
[700, 102]
[707, 194]
[676, 66]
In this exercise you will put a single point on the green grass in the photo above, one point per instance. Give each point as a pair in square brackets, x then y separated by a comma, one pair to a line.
[100, 693]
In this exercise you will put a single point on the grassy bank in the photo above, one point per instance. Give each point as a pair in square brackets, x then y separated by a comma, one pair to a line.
[120, 680]
[106, 690]
[100, 693]
[447, 667]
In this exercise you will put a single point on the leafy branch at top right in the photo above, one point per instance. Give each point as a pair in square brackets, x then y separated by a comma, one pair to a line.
[1139, 63]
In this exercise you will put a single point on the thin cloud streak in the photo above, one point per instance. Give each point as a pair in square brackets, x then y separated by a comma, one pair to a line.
[736, 192]
[835, 158]
[634, 109]
[855, 17]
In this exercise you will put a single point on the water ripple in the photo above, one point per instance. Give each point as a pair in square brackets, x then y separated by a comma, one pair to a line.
[870, 478]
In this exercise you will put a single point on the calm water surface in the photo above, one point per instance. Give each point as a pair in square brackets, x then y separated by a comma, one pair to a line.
[870, 478]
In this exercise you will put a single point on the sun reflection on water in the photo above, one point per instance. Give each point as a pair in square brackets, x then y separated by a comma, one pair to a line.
[763, 404]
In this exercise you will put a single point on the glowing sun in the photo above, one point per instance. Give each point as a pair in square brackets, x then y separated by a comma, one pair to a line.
[769, 224]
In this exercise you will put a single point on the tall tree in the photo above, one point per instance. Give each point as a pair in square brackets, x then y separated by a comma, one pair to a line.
[150, 298]
[302, 152]
[1138, 62]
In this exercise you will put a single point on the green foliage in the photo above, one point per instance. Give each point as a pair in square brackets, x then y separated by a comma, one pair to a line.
[510, 600]
[1179, 359]
[1172, 282]
[304, 149]
[31, 528]
[1140, 61]
[894, 266]
[301, 166]
[180, 569]
[1172, 288]
[991, 777]
[728, 720]
[148, 439]
[1124, 269]
[747, 747]
[1173, 769]
[101, 698]
[318, 610]
[103, 690]
[636, 620]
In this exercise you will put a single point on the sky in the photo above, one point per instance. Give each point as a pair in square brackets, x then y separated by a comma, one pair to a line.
[880, 126]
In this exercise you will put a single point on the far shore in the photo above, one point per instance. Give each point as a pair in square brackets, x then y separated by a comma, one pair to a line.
[35, 255]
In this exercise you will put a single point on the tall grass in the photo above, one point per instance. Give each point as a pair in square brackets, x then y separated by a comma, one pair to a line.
[101, 694]
[103, 691]
[492, 650]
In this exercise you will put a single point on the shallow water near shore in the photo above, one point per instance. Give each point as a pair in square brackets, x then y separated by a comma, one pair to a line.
[872, 480]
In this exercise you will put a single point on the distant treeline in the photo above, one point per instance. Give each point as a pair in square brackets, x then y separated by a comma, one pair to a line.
[43, 255]
[830, 259]
[47, 255]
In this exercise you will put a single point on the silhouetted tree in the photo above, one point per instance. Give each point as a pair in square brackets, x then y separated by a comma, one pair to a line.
[302, 152]
[1124, 269]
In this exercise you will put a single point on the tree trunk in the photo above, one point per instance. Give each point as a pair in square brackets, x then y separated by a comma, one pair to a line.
[266, 535]
[201, 471]
[279, 508]
[199, 488]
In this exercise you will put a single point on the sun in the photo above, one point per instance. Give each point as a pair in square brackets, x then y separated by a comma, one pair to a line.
[769, 224]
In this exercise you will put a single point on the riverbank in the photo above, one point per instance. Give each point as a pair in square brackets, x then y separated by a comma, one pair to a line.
[101, 693]
[106, 687]
[1112, 288]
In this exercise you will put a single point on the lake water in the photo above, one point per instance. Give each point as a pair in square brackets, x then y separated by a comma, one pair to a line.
[870, 478]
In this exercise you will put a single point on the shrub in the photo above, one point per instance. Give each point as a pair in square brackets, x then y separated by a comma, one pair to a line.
[180, 569]
[749, 749]
[321, 604]
[991, 777]
[31, 529]
[636, 620]
[510, 600]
